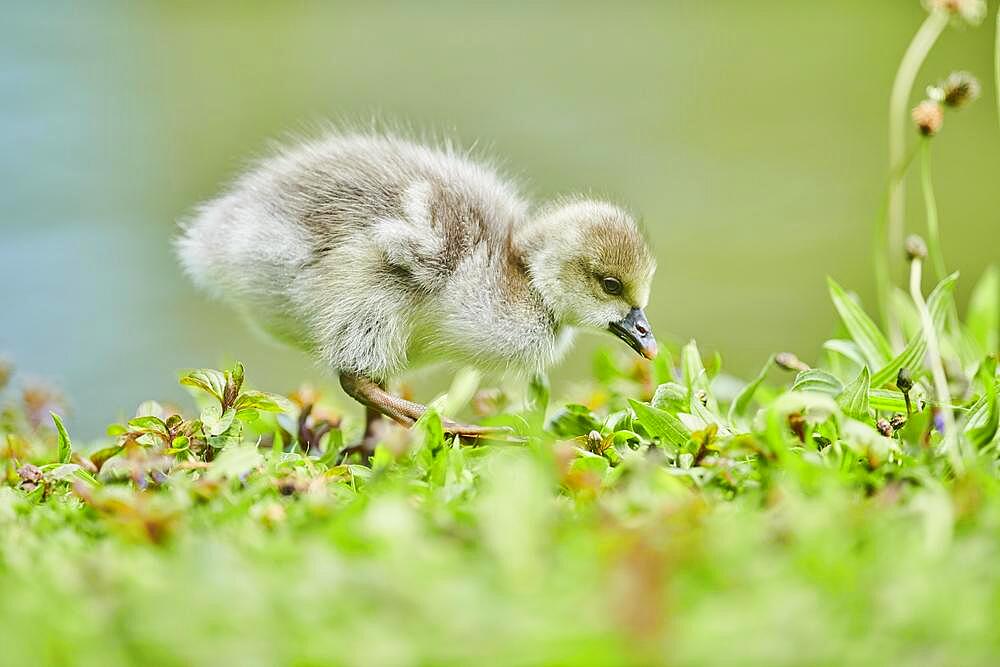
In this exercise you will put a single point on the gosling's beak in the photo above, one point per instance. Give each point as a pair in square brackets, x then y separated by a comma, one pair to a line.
[635, 331]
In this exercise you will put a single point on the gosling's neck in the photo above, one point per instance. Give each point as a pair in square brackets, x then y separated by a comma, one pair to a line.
[540, 245]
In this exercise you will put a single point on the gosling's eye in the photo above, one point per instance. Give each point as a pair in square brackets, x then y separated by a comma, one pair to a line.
[612, 286]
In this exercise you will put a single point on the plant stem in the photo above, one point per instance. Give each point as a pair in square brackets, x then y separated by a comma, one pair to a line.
[996, 62]
[930, 203]
[883, 281]
[933, 228]
[902, 88]
[950, 444]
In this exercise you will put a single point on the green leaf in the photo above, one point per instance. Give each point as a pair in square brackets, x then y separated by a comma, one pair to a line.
[430, 427]
[149, 424]
[381, 458]
[983, 318]
[114, 430]
[208, 380]
[984, 418]
[216, 422]
[101, 456]
[62, 472]
[901, 306]
[670, 395]
[818, 381]
[236, 375]
[334, 443]
[463, 388]
[659, 424]
[912, 356]
[886, 400]
[259, 401]
[234, 461]
[538, 393]
[65, 444]
[845, 348]
[854, 399]
[869, 339]
[695, 376]
[277, 446]
[742, 400]
[573, 420]
[590, 463]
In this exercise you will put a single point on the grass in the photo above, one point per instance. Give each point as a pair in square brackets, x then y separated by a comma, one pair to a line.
[841, 512]
[671, 517]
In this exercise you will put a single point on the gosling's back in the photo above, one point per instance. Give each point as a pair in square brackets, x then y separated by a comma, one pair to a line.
[338, 245]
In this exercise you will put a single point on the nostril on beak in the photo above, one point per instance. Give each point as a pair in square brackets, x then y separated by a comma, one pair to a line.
[641, 329]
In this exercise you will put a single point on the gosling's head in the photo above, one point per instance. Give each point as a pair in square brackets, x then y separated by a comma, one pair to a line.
[591, 264]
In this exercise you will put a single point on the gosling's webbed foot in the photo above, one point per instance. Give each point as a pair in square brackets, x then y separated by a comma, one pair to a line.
[378, 401]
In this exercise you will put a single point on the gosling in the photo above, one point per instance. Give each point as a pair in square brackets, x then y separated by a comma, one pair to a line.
[376, 254]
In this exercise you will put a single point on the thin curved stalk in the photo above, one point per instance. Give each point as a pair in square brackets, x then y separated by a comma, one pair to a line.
[996, 62]
[930, 203]
[883, 281]
[950, 446]
[902, 87]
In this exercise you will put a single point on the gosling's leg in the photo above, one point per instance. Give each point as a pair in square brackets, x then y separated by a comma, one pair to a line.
[371, 395]
[375, 426]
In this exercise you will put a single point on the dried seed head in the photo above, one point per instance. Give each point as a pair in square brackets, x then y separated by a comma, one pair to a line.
[30, 473]
[789, 362]
[897, 422]
[904, 381]
[595, 442]
[915, 247]
[884, 427]
[928, 117]
[959, 89]
[970, 11]
[797, 423]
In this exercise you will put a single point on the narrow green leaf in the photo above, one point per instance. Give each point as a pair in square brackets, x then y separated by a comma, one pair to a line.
[334, 443]
[538, 393]
[818, 381]
[863, 330]
[65, 444]
[854, 399]
[695, 375]
[912, 356]
[742, 400]
[660, 424]
[845, 348]
[984, 418]
[886, 400]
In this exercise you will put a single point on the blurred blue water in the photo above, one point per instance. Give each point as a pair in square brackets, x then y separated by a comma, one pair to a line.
[749, 136]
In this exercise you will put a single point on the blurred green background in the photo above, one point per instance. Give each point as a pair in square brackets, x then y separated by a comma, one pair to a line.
[750, 136]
